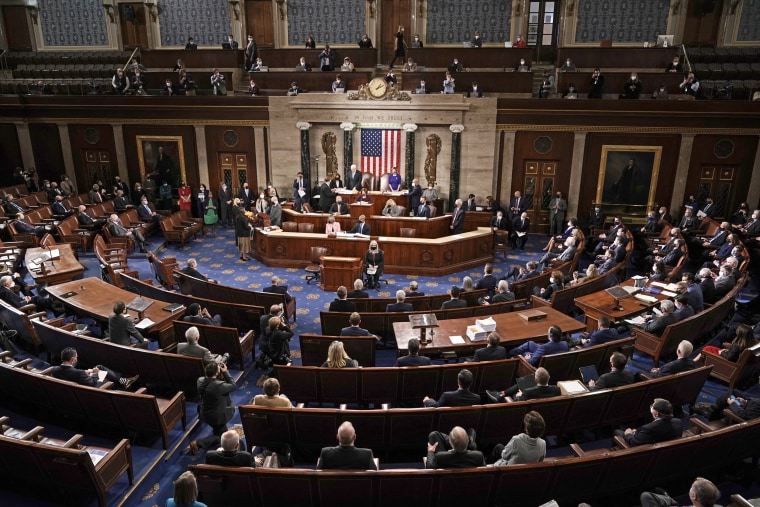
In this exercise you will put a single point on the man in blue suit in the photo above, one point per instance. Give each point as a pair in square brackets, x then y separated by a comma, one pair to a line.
[532, 352]
[354, 330]
[414, 358]
[602, 334]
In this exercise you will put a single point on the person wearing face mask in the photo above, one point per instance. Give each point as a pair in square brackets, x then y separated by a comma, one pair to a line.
[339, 207]
[417, 42]
[201, 199]
[523, 66]
[568, 66]
[596, 244]
[170, 89]
[262, 203]
[595, 219]
[246, 196]
[374, 261]
[456, 66]
[225, 205]
[660, 93]
[632, 88]
[250, 52]
[519, 42]
[365, 42]
[708, 210]
[664, 215]
[430, 193]
[752, 228]
[477, 42]
[557, 210]
[597, 85]
[146, 213]
[185, 197]
[360, 227]
[652, 227]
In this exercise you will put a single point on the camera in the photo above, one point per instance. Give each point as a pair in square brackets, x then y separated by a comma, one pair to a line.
[223, 359]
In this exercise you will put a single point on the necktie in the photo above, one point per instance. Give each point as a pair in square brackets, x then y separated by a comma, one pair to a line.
[498, 222]
[361, 228]
[523, 223]
[99, 198]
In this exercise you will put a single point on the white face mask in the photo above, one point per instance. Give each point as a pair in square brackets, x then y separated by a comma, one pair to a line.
[261, 196]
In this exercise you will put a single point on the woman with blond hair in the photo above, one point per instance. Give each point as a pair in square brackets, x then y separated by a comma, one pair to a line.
[337, 357]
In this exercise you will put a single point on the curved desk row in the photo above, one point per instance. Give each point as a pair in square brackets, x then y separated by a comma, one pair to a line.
[423, 256]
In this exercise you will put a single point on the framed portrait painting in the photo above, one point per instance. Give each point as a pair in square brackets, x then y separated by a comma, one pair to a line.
[628, 175]
[163, 157]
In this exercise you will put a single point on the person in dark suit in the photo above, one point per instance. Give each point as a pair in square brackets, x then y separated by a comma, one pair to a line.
[399, 305]
[121, 202]
[226, 215]
[458, 457]
[68, 371]
[25, 227]
[657, 325]
[216, 407]
[300, 186]
[520, 227]
[454, 302]
[192, 270]
[470, 205]
[374, 262]
[11, 207]
[457, 219]
[493, 351]
[414, 194]
[121, 328]
[413, 358]
[517, 205]
[533, 352]
[743, 404]
[146, 213]
[232, 42]
[423, 210]
[116, 229]
[618, 376]
[414, 290]
[542, 389]
[276, 288]
[565, 255]
[85, 219]
[522, 273]
[345, 456]
[503, 294]
[664, 427]
[609, 262]
[326, 195]
[355, 328]
[462, 397]
[357, 292]
[17, 300]
[59, 207]
[602, 334]
[361, 227]
[354, 181]
[339, 207]
[707, 285]
[230, 455]
[488, 281]
[689, 222]
[499, 223]
[246, 196]
[340, 304]
[198, 315]
[680, 364]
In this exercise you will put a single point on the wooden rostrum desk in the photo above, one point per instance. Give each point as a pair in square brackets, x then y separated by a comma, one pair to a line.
[423, 256]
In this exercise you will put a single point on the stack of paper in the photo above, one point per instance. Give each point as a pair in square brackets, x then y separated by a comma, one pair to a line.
[486, 324]
[476, 333]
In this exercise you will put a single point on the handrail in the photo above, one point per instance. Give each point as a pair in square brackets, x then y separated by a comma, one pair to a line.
[3, 59]
[686, 57]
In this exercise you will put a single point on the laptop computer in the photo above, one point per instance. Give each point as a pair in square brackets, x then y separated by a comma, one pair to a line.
[226, 45]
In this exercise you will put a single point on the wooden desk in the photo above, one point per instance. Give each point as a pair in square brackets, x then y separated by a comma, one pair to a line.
[513, 329]
[374, 208]
[288, 58]
[379, 225]
[206, 59]
[489, 82]
[95, 298]
[616, 57]
[337, 271]
[427, 257]
[62, 269]
[471, 58]
[600, 304]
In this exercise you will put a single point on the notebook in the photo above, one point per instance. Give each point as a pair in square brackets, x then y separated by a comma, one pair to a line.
[589, 373]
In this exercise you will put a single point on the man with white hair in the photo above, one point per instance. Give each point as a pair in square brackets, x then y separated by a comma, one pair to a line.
[118, 230]
[657, 325]
[229, 454]
[707, 285]
[354, 180]
[458, 457]
[345, 456]
[566, 255]
[358, 291]
[502, 293]
[191, 347]
[399, 305]
[457, 220]
[682, 363]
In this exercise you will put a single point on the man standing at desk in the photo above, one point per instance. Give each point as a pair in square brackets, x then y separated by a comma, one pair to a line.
[414, 195]
[301, 192]
[558, 207]
[354, 181]
[121, 328]
[457, 221]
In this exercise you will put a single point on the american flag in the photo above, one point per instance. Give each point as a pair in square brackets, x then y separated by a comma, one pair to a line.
[381, 151]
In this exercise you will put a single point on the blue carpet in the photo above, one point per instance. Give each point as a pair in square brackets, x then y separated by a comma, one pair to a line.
[218, 258]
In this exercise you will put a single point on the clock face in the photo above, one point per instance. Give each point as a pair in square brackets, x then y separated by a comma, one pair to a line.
[377, 87]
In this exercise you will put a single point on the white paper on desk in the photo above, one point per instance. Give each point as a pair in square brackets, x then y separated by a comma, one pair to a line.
[668, 293]
[636, 321]
[630, 289]
[456, 340]
[301, 192]
[659, 284]
[144, 324]
[701, 214]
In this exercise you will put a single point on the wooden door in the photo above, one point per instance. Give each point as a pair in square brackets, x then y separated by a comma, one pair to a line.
[233, 170]
[720, 183]
[17, 31]
[134, 29]
[703, 21]
[539, 184]
[543, 28]
[393, 13]
[259, 21]
[96, 165]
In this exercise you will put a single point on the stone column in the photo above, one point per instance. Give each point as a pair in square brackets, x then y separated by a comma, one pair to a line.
[25, 145]
[200, 151]
[121, 157]
[304, 126]
[507, 167]
[456, 155]
[348, 147]
[410, 129]
[753, 194]
[682, 172]
[68, 159]
[576, 171]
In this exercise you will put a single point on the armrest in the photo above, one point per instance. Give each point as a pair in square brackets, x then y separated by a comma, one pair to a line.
[28, 308]
[73, 442]
[47, 371]
[620, 442]
[538, 301]
[106, 386]
[247, 336]
[60, 323]
[23, 364]
[37, 315]
[647, 375]
[33, 434]
[142, 390]
[3, 356]
[3, 420]
[731, 416]
[702, 426]
[577, 450]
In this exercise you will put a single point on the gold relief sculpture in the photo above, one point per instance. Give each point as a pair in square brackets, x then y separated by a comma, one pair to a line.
[433, 143]
[328, 147]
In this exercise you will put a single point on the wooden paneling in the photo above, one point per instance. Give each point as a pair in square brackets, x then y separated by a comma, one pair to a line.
[395, 13]
[471, 58]
[258, 18]
[10, 153]
[17, 32]
[221, 140]
[489, 82]
[90, 138]
[135, 32]
[48, 155]
[615, 81]
[615, 58]
[194, 59]
[288, 58]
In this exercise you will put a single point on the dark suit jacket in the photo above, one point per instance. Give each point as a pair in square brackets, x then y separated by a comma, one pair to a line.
[194, 273]
[415, 293]
[518, 225]
[120, 328]
[341, 305]
[346, 457]
[503, 223]
[658, 430]
[490, 354]
[412, 360]
[454, 303]
[230, 458]
[11, 297]
[451, 459]
[676, 366]
[540, 392]
[72, 374]
[658, 324]
[458, 398]
[414, 197]
[339, 208]
[615, 378]
[488, 282]
[599, 336]
[399, 307]
[246, 198]
[216, 405]
[458, 222]
[12, 209]
[547, 349]
[708, 290]
[326, 197]
[354, 181]
[279, 289]
[354, 331]
[365, 229]
[354, 294]
[59, 208]
[503, 297]
[198, 319]
[423, 211]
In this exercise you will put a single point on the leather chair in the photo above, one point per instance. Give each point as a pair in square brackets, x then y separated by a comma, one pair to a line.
[407, 232]
[314, 268]
[290, 226]
[305, 227]
[500, 242]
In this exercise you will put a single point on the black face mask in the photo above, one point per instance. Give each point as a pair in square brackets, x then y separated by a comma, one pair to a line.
[374, 248]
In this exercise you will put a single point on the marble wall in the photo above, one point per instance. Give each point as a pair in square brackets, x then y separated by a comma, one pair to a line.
[620, 20]
[73, 23]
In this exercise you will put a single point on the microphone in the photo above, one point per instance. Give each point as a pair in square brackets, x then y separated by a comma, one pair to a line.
[52, 262]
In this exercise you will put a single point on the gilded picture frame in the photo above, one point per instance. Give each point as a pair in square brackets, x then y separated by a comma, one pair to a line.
[148, 157]
[621, 184]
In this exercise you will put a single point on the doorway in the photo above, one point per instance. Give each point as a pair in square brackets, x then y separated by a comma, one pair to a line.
[540, 180]
[543, 28]
[395, 13]
[134, 28]
[233, 170]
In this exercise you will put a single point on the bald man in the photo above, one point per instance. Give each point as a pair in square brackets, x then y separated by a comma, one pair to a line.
[458, 457]
[345, 456]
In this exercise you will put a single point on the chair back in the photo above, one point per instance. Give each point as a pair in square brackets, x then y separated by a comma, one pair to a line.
[290, 226]
[305, 227]
[407, 232]
[316, 253]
